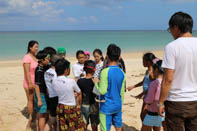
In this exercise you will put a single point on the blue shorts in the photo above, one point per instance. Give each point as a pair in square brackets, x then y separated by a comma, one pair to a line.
[106, 120]
[152, 120]
[43, 108]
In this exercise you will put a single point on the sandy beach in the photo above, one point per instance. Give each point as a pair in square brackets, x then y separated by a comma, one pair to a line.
[13, 111]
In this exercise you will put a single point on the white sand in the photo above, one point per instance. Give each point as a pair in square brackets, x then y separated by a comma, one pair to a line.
[13, 101]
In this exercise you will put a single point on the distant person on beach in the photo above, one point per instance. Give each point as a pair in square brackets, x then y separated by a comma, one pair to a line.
[61, 52]
[29, 65]
[40, 93]
[49, 75]
[78, 67]
[68, 112]
[111, 86]
[89, 107]
[152, 119]
[179, 86]
[147, 62]
[87, 55]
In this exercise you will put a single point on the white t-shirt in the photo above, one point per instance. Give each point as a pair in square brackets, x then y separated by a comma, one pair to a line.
[64, 88]
[99, 68]
[181, 56]
[49, 75]
[78, 70]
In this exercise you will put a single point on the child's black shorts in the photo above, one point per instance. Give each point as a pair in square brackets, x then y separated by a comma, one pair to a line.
[53, 102]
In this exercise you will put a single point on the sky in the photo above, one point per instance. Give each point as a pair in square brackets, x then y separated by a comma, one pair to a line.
[28, 15]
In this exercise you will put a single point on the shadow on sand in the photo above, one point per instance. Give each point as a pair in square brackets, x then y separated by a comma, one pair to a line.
[25, 113]
[129, 128]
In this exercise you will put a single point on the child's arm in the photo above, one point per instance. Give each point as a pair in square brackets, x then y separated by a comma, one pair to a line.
[78, 91]
[38, 79]
[80, 99]
[135, 86]
[37, 90]
[102, 85]
[27, 74]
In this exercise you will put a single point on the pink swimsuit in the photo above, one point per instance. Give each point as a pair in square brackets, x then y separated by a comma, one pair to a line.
[33, 64]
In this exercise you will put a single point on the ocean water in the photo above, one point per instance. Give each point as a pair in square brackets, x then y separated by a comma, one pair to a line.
[13, 45]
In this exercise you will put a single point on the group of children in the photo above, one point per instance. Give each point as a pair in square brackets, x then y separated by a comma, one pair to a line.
[96, 93]
[94, 96]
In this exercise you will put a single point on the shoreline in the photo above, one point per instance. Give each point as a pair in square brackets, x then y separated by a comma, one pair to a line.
[125, 54]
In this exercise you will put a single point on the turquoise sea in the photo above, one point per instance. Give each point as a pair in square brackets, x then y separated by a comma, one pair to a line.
[13, 45]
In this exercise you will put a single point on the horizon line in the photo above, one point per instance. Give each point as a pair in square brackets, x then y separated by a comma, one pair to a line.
[84, 30]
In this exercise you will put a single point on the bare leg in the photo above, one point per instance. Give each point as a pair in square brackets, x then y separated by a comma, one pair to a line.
[37, 121]
[94, 127]
[42, 121]
[118, 129]
[122, 128]
[156, 128]
[30, 99]
[146, 128]
[164, 126]
[51, 121]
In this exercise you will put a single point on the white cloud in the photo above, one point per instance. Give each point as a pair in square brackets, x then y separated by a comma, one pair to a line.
[89, 19]
[93, 19]
[71, 20]
[18, 3]
[30, 8]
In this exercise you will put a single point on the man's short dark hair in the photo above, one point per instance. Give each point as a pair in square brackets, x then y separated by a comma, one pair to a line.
[79, 52]
[41, 55]
[61, 65]
[113, 52]
[183, 21]
[50, 50]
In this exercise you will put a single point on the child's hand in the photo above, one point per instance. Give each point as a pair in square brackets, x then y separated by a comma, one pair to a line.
[96, 80]
[130, 88]
[39, 103]
[30, 86]
[79, 107]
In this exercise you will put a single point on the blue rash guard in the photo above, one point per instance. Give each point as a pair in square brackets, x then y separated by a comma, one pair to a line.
[111, 87]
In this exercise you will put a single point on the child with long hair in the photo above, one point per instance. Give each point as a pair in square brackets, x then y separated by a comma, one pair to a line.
[147, 62]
